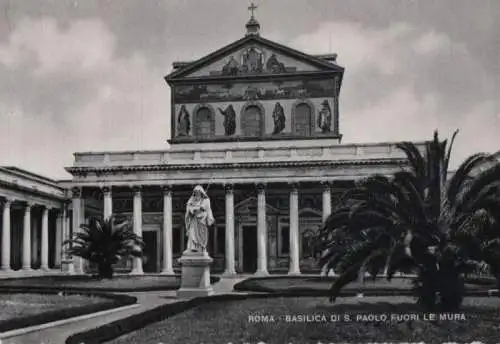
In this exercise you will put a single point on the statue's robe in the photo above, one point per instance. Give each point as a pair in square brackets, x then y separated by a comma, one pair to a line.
[325, 119]
[198, 219]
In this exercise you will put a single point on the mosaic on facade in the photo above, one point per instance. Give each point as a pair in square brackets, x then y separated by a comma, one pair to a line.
[229, 120]
[253, 61]
[225, 92]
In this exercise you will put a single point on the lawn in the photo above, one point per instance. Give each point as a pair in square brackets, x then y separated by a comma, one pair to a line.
[26, 304]
[282, 320]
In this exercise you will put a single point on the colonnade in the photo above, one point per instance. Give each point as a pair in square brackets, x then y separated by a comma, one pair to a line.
[167, 236]
[62, 232]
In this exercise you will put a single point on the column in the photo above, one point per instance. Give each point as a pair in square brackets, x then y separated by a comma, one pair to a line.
[26, 258]
[230, 258]
[137, 262]
[67, 263]
[108, 202]
[59, 237]
[35, 236]
[327, 209]
[6, 236]
[76, 205]
[294, 231]
[167, 231]
[327, 199]
[45, 240]
[261, 231]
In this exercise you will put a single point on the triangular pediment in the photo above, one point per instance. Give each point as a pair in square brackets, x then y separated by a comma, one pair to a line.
[249, 207]
[253, 55]
[310, 213]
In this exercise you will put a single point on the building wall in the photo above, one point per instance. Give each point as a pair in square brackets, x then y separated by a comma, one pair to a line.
[269, 109]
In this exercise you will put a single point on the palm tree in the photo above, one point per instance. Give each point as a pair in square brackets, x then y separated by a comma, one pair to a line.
[420, 220]
[105, 243]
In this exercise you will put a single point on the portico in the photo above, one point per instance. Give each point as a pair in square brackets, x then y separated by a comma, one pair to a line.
[34, 222]
[265, 212]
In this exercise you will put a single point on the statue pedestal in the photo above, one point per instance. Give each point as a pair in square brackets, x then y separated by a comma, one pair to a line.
[195, 280]
[67, 266]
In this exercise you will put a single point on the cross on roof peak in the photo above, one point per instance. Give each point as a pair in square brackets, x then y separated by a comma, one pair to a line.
[252, 8]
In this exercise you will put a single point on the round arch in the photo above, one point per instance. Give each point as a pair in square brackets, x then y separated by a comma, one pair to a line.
[252, 119]
[204, 121]
[303, 117]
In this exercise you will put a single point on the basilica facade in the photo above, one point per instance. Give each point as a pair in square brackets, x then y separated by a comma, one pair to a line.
[257, 125]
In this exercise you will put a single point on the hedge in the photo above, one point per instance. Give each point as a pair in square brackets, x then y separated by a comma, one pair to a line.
[115, 301]
[252, 284]
[213, 279]
[137, 321]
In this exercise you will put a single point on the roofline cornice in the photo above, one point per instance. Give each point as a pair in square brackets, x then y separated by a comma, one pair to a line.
[30, 191]
[75, 170]
[252, 77]
[27, 175]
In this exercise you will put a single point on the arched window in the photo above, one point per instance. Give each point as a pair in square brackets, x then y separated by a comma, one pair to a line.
[204, 125]
[252, 121]
[303, 120]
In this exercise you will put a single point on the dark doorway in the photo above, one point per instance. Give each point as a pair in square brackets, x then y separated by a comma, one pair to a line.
[249, 249]
[150, 251]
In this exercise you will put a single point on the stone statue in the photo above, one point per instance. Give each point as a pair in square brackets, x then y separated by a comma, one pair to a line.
[252, 61]
[229, 120]
[198, 219]
[278, 118]
[232, 67]
[274, 66]
[325, 117]
[183, 122]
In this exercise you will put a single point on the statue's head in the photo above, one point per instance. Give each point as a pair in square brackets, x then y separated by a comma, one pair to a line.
[278, 108]
[199, 192]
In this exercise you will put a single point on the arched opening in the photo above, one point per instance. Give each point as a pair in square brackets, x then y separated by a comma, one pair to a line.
[205, 125]
[252, 124]
[303, 120]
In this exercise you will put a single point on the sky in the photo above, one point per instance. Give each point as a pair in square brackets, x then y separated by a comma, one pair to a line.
[88, 75]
